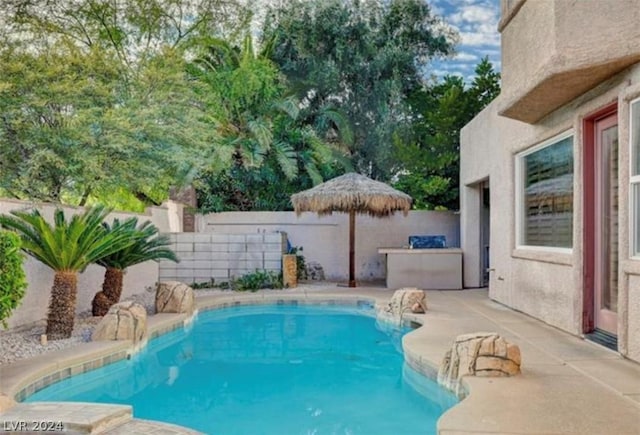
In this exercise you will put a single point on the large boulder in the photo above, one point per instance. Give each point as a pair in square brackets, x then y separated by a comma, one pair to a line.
[174, 297]
[478, 354]
[124, 321]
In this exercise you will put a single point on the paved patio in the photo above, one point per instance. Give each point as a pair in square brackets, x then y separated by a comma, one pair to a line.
[567, 385]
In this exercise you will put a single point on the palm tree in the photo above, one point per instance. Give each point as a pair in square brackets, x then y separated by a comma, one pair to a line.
[256, 118]
[147, 245]
[249, 97]
[67, 247]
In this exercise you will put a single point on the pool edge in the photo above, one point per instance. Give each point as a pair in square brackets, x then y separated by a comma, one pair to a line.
[31, 375]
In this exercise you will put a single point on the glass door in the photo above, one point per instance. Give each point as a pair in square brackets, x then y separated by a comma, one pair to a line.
[606, 225]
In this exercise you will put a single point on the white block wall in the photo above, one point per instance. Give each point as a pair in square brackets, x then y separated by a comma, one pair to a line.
[325, 239]
[222, 256]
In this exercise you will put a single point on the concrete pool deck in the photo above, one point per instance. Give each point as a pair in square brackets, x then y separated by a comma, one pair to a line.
[567, 385]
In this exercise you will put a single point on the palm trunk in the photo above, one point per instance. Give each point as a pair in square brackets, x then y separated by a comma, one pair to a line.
[111, 292]
[62, 307]
[112, 285]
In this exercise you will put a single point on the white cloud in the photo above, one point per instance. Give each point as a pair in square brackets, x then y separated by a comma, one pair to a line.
[445, 72]
[476, 21]
[479, 38]
[456, 65]
[466, 57]
[474, 14]
[436, 10]
[491, 52]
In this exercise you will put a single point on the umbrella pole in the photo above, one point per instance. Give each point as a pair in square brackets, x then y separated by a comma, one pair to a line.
[352, 248]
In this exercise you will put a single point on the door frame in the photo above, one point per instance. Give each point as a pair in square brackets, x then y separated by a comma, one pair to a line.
[589, 217]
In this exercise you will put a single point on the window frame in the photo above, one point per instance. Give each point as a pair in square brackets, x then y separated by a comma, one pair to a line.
[634, 182]
[519, 194]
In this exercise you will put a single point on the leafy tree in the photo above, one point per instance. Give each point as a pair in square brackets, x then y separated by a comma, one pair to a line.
[484, 87]
[12, 277]
[247, 96]
[69, 135]
[95, 99]
[264, 188]
[147, 246]
[359, 58]
[132, 29]
[67, 247]
[428, 166]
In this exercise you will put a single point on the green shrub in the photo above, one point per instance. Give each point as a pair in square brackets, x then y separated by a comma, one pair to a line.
[12, 277]
[203, 284]
[301, 264]
[257, 280]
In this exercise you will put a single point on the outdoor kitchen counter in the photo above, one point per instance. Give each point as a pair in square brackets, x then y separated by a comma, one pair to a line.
[427, 269]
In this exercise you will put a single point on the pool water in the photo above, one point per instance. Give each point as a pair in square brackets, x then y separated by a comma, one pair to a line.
[271, 370]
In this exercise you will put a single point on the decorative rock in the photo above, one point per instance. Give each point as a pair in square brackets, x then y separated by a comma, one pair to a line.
[478, 354]
[407, 299]
[174, 297]
[124, 321]
[6, 403]
[314, 271]
[404, 300]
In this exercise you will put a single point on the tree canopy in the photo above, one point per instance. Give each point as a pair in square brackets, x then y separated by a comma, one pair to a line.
[115, 102]
[95, 99]
[361, 58]
[428, 166]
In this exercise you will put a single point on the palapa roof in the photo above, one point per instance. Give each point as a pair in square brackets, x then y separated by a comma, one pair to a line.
[352, 192]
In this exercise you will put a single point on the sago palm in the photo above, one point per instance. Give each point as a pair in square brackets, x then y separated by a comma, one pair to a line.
[147, 245]
[67, 247]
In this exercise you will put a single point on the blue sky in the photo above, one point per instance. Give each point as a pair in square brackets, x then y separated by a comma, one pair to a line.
[477, 24]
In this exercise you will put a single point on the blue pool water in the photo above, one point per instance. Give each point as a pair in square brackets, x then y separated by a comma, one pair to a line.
[271, 370]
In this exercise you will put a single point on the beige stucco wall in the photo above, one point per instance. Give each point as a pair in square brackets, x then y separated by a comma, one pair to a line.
[547, 285]
[555, 50]
[40, 278]
[522, 53]
[325, 239]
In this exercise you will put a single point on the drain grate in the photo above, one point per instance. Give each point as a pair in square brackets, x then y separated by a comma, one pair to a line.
[603, 338]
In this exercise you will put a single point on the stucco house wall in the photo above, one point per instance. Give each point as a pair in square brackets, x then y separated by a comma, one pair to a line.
[544, 284]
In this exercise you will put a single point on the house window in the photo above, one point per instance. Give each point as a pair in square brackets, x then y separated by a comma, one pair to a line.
[545, 194]
[635, 177]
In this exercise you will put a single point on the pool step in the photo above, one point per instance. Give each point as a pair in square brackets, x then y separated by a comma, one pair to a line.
[81, 418]
[144, 427]
[72, 417]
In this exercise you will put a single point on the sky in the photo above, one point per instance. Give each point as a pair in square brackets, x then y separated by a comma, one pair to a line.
[477, 24]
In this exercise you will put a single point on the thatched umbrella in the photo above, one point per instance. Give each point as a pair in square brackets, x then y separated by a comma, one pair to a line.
[352, 193]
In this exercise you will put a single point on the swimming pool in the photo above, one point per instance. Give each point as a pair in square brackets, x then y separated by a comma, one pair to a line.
[270, 369]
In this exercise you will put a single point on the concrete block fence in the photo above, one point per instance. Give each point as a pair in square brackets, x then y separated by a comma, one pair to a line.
[221, 256]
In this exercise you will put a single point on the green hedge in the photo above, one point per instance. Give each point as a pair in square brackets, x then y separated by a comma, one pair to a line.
[12, 277]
